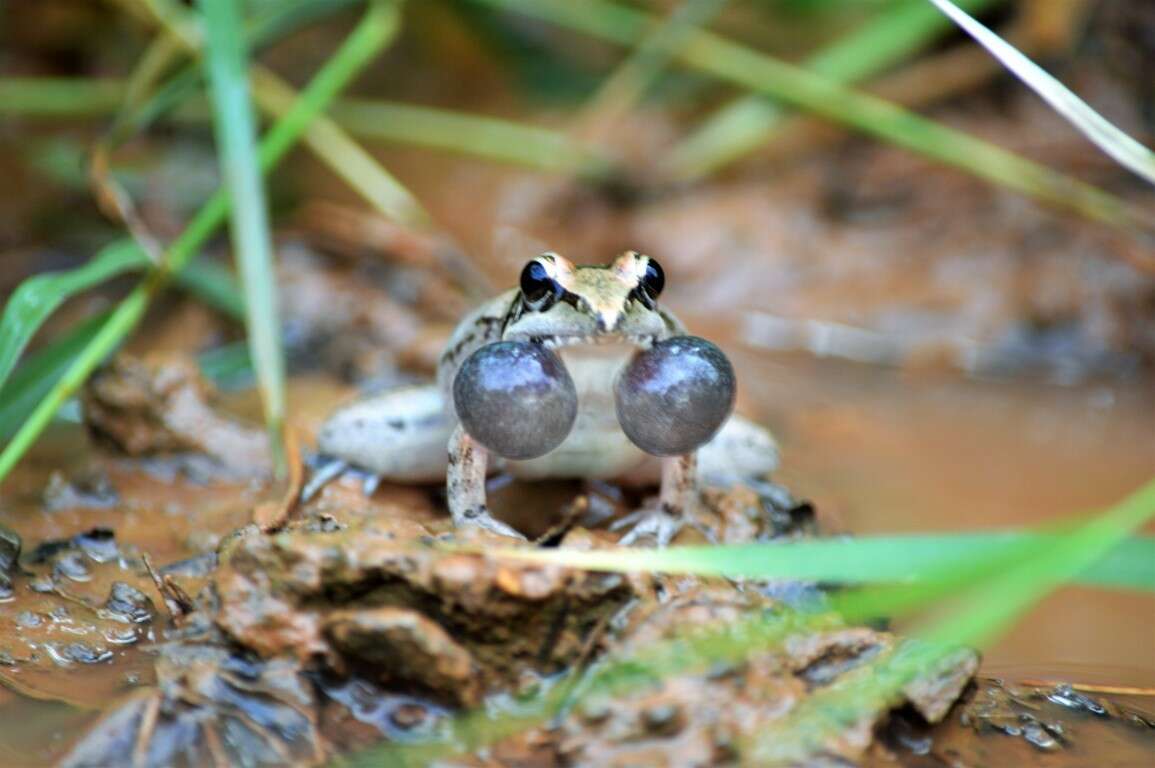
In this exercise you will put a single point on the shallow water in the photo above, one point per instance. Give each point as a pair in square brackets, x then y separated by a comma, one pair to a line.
[882, 450]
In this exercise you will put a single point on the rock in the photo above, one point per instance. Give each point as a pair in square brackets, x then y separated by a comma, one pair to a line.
[10, 545]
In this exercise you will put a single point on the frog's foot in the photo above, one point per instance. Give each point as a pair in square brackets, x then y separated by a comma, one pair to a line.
[326, 471]
[679, 494]
[655, 523]
[465, 486]
[480, 518]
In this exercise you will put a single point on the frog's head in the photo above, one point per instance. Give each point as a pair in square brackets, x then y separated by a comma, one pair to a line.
[560, 304]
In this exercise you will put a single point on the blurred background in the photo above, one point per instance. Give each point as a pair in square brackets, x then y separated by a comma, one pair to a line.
[949, 322]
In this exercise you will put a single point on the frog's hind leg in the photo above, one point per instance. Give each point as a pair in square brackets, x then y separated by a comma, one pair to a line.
[678, 494]
[399, 435]
[465, 485]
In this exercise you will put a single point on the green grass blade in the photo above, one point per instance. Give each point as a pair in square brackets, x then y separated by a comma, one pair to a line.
[346, 158]
[325, 138]
[742, 125]
[39, 373]
[215, 285]
[378, 27]
[60, 97]
[236, 138]
[760, 73]
[464, 133]
[467, 134]
[880, 559]
[642, 68]
[1125, 150]
[39, 296]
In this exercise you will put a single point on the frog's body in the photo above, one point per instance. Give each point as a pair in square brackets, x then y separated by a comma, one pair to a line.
[595, 319]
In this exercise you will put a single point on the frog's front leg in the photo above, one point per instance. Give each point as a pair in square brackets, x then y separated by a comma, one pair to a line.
[465, 485]
[676, 501]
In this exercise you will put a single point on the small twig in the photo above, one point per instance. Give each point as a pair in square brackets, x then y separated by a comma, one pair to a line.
[176, 600]
[572, 512]
[215, 746]
[147, 728]
[271, 517]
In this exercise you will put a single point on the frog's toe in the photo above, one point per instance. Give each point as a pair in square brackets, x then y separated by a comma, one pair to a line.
[480, 518]
[657, 524]
[324, 472]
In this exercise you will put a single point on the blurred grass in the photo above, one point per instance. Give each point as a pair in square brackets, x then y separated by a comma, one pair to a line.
[896, 559]
[236, 138]
[375, 30]
[620, 92]
[459, 132]
[747, 122]
[761, 73]
[39, 296]
[1125, 150]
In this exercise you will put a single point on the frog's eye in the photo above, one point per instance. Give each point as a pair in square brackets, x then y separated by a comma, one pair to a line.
[675, 396]
[538, 288]
[515, 398]
[652, 282]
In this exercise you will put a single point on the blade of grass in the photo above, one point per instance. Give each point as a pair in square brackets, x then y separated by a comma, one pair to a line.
[355, 166]
[641, 69]
[377, 27]
[325, 138]
[760, 73]
[39, 296]
[895, 559]
[60, 96]
[40, 372]
[747, 122]
[461, 132]
[236, 139]
[468, 134]
[1125, 150]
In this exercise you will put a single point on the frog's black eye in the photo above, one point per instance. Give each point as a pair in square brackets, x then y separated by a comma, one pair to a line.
[652, 283]
[537, 287]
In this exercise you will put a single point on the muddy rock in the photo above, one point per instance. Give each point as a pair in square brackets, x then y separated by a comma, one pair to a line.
[722, 713]
[211, 707]
[10, 544]
[401, 646]
[377, 597]
[161, 405]
[128, 604]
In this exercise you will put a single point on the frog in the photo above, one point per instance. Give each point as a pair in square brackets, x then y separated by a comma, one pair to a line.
[597, 319]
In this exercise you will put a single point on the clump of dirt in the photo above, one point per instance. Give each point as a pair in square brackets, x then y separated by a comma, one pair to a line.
[347, 628]
[378, 598]
[162, 405]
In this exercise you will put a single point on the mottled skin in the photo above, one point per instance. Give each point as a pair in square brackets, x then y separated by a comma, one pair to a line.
[598, 322]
